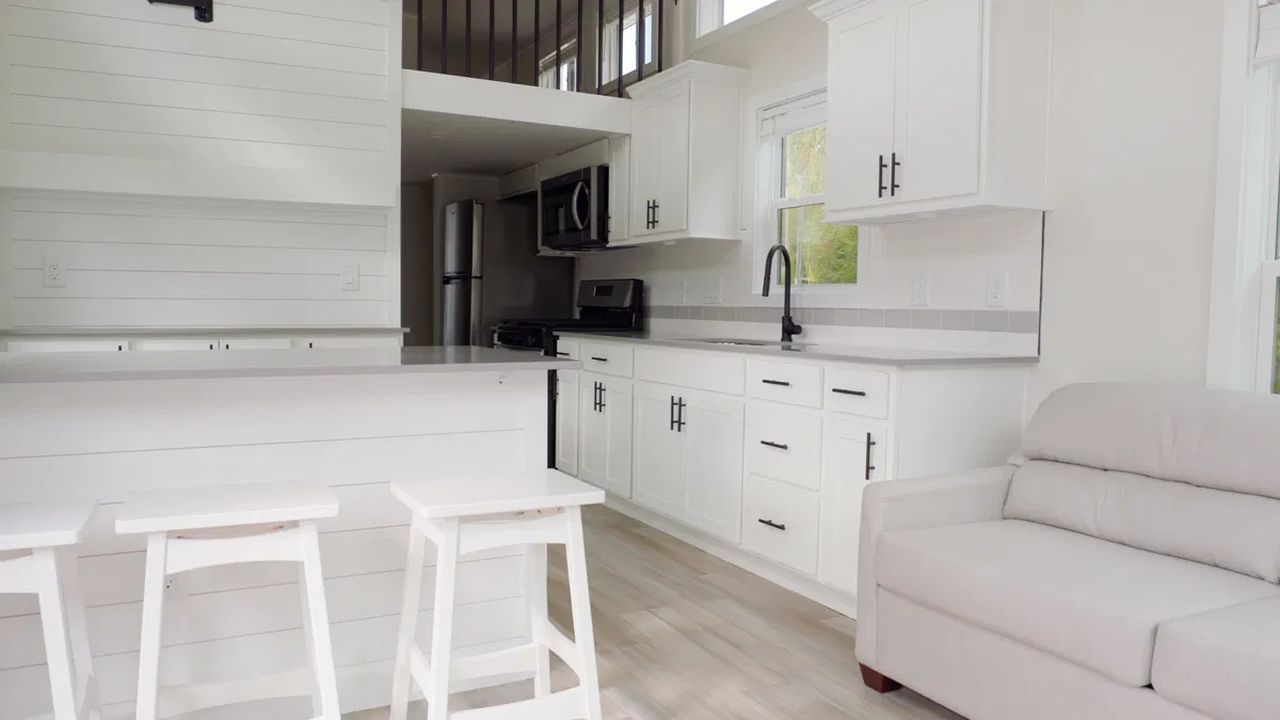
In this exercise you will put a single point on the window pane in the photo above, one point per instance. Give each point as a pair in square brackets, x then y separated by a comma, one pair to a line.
[804, 162]
[734, 9]
[824, 254]
[628, 45]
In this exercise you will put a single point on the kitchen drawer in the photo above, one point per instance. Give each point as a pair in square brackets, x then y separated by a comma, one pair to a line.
[780, 522]
[566, 348]
[606, 358]
[785, 382]
[863, 392]
[713, 371]
[784, 443]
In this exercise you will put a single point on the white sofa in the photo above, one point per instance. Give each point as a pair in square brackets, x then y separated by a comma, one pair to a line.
[1123, 567]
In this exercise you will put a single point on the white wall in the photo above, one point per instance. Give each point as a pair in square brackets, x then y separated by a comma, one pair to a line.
[1128, 250]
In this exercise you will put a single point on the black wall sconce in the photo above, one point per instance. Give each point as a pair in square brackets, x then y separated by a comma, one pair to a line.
[204, 8]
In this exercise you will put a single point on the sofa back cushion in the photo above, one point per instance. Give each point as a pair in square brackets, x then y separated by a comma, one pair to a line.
[1184, 472]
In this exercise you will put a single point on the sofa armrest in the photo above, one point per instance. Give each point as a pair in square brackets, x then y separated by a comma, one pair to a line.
[972, 496]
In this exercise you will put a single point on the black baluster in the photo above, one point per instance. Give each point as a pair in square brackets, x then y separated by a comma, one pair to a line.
[600, 48]
[559, 24]
[515, 48]
[537, 39]
[421, 24]
[492, 55]
[577, 61]
[466, 44]
[622, 15]
[444, 38]
[662, 31]
[639, 40]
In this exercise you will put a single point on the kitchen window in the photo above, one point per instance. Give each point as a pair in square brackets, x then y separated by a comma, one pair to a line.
[567, 71]
[610, 47]
[791, 173]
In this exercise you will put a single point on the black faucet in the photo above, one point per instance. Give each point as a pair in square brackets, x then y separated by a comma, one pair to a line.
[789, 327]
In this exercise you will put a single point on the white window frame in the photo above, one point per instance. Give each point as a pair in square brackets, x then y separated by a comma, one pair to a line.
[1263, 204]
[773, 117]
[710, 13]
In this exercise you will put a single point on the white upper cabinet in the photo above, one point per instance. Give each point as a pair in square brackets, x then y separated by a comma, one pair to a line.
[295, 102]
[685, 145]
[936, 106]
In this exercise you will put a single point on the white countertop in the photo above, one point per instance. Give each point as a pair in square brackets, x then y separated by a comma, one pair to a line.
[870, 354]
[166, 365]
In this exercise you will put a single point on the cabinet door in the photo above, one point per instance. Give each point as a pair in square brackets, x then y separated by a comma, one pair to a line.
[860, 106]
[939, 98]
[711, 432]
[659, 483]
[567, 412]
[660, 162]
[604, 452]
[853, 455]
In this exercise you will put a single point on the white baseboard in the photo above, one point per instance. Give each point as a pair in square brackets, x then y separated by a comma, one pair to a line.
[841, 602]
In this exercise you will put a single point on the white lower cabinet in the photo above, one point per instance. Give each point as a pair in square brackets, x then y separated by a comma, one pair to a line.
[567, 414]
[604, 417]
[853, 456]
[688, 452]
[780, 522]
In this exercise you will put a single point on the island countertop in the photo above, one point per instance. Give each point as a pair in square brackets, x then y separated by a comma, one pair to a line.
[197, 364]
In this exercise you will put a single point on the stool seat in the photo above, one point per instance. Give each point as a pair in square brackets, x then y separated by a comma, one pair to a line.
[220, 506]
[28, 525]
[513, 492]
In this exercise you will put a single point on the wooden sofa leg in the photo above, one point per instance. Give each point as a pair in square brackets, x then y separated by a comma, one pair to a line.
[878, 682]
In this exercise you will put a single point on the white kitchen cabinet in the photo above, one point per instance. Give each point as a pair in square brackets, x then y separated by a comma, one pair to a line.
[854, 454]
[177, 343]
[688, 451]
[346, 342]
[40, 345]
[256, 343]
[936, 106]
[605, 439]
[619, 188]
[684, 150]
[568, 413]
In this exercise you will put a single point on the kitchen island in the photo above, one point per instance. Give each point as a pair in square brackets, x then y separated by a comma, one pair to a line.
[99, 425]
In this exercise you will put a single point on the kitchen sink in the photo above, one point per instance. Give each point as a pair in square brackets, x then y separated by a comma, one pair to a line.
[751, 343]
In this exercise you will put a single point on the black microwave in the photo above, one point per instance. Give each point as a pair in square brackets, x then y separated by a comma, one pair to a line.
[575, 210]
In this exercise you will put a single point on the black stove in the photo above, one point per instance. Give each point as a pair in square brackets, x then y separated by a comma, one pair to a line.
[603, 306]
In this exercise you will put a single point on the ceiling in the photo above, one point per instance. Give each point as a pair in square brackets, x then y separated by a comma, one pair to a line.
[435, 142]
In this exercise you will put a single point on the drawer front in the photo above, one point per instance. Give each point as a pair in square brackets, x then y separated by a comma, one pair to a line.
[785, 382]
[606, 358]
[863, 392]
[780, 522]
[571, 349]
[713, 371]
[784, 443]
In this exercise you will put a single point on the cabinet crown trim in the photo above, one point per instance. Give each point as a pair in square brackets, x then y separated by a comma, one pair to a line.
[686, 71]
[827, 10]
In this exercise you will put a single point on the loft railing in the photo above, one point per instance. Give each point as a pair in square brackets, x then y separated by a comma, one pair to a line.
[597, 46]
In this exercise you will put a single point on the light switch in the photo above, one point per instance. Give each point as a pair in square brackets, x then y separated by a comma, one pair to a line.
[920, 291]
[998, 289]
[350, 277]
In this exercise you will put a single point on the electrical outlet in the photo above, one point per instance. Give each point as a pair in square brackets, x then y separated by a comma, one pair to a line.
[920, 291]
[350, 277]
[54, 275]
[998, 289]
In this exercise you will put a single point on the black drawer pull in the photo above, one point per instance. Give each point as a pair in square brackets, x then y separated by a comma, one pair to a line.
[772, 524]
[780, 383]
[842, 391]
[779, 446]
[562, 354]
[599, 359]
[869, 467]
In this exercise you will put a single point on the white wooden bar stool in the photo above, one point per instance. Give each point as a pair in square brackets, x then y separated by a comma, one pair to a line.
[191, 528]
[36, 558]
[464, 515]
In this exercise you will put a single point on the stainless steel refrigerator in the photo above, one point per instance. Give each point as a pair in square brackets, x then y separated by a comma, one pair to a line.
[492, 271]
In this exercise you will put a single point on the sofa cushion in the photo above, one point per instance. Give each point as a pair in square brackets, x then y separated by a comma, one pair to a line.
[1219, 439]
[1224, 663]
[1227, 529]
[1094, 602]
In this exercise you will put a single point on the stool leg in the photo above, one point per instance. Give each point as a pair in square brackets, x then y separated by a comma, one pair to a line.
[580, 597]
[80, 651]
[54, 624]
[535, 568]
[442, 622]
[152, 619]
[317, 703]
[402, 682]
[318, 616]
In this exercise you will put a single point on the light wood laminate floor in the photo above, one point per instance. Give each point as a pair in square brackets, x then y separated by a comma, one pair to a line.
[681, 634]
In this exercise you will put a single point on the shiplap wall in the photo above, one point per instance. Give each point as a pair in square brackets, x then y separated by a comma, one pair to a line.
[151, 262]
[276, 99]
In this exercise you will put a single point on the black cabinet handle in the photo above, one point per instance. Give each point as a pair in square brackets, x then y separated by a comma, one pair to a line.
[869, 467]
[780, 446]
[680, 406]
[780, 383]
[599, 359]
[603, 391]
[656, 220]
[772, 524]
[880, 182]
[671, 414]
[894, 187]
[842, 391]
[562, 354]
